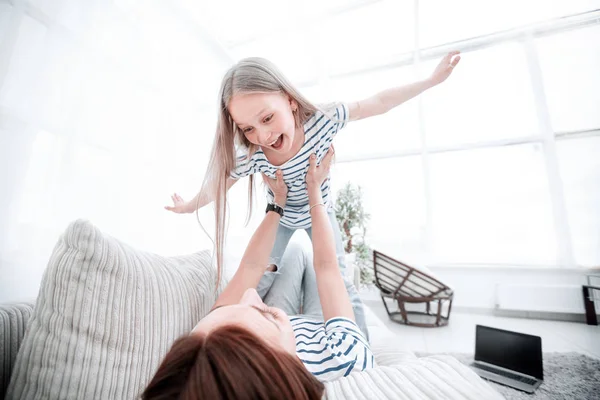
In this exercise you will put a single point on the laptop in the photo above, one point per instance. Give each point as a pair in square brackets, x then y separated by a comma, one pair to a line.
[509, 358]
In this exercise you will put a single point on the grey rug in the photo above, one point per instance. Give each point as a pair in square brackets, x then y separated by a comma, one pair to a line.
[571, 376]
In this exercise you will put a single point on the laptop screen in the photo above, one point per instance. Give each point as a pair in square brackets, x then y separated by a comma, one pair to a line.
[515, 351]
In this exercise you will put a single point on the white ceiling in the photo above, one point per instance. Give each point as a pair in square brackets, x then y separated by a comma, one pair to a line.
[357, 33]
[233, 22]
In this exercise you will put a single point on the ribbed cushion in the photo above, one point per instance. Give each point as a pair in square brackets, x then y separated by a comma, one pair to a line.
[435, 377]
[105, 317]
[13, 322]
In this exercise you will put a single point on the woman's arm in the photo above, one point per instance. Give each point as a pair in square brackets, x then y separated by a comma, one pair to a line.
[330, 284]
[384, 101]
[256, 257]
[203, 198]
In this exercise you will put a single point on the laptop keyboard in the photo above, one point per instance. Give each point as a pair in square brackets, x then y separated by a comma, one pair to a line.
[510, 375]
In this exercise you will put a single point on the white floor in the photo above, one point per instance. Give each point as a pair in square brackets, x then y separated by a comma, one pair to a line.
[459, 335]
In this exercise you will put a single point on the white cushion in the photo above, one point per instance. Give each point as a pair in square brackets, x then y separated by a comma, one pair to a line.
[435, 377]
[401, 375]
[105, 316]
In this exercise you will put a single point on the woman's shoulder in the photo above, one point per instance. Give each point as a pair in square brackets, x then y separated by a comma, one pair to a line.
[345, 326]
[342, 323]
[337, 326]
[298, 320]
[338, 349]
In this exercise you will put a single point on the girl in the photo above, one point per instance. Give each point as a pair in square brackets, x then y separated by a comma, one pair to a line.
[265, 125]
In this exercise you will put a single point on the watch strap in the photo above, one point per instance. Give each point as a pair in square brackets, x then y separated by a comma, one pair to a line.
[274, 207]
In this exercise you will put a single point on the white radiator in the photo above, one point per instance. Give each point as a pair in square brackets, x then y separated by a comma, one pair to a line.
[543, 298]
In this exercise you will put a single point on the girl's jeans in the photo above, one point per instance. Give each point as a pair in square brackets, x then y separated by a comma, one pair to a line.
[293, 287]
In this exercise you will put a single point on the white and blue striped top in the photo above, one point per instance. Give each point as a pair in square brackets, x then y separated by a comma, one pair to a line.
[331, 350]
[319, 132]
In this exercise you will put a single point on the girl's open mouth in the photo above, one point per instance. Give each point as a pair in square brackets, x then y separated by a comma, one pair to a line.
[278, 143]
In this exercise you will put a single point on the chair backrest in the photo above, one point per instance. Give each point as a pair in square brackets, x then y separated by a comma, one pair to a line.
[393, 276]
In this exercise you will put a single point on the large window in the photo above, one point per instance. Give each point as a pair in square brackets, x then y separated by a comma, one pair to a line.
[570, 64]
[107, 108]
[492, 206]
[484, 146]
[394, 198]
[489, 97]
[579, 161]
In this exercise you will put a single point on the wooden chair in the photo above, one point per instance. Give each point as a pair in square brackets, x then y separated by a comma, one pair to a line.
[407, 285]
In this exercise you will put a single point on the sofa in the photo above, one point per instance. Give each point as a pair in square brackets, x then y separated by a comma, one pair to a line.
[106, 315]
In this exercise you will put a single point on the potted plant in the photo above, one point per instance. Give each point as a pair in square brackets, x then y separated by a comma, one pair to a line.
[352, 217]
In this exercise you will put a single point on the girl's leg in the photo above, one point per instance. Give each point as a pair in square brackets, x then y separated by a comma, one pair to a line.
[286, 288]
[311, 303]
[281, 241]
[357, 305]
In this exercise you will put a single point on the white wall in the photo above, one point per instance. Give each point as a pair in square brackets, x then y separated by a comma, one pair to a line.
[478, 287]
[517, 291]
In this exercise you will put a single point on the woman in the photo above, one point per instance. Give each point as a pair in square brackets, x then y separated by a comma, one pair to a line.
[249, 349]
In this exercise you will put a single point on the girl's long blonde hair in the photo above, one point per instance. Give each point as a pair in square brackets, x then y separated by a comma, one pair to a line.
[250, 75]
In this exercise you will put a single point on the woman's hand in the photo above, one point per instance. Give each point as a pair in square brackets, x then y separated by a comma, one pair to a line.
[278, 187]
[317, 174]
[445, 67]
[179, 206]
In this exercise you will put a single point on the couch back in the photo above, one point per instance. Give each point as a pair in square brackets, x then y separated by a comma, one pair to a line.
[13, 322]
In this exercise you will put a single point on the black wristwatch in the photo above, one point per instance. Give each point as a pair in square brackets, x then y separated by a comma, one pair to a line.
[274, 207]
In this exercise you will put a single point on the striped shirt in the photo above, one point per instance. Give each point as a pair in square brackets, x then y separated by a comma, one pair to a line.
[319, 132]
[332, 350]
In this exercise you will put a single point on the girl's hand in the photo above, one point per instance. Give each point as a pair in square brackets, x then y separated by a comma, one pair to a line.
[278, 187]
[180, 206]
[317, 174]
[445, 67]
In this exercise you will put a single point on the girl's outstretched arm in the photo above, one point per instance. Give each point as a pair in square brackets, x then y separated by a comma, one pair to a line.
[384, 101]
[180, 206]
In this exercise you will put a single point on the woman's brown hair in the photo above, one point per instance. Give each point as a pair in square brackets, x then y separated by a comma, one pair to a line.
[230, 363]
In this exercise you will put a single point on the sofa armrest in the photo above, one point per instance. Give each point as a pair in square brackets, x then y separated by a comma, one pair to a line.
[14, 319]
